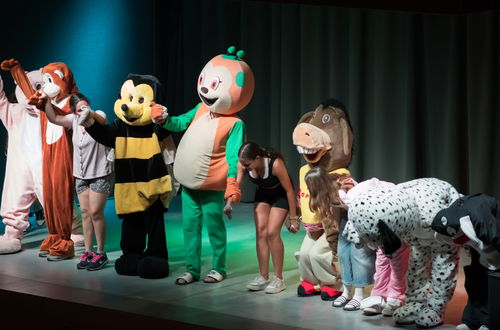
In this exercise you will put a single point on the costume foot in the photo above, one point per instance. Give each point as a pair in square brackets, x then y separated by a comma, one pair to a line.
[9, 245]
[153, 267]
[213, 276]
[329, 293]
[127, 264]
[428, 318]
[306, 289]
[407, 314]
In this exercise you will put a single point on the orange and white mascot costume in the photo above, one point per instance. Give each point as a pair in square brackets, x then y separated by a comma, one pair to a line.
[57, 170]
[207, 157]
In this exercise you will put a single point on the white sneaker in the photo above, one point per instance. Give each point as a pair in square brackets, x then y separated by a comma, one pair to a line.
[258, 283]
[276, 285]
[483, 327]
[462, 326]
[390, 306]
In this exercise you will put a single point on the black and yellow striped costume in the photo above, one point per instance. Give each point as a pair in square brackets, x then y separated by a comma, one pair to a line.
[142, 184]
[141, 174]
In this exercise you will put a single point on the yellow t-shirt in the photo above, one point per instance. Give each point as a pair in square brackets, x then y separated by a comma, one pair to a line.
[308, 217]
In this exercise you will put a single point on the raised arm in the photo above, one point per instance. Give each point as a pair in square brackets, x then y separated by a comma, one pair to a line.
[61, 120]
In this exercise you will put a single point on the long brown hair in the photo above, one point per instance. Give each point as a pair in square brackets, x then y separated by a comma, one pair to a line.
[324, 198]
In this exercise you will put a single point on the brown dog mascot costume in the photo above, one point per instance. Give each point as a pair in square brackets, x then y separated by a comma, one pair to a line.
[324, 137]
[57, 176]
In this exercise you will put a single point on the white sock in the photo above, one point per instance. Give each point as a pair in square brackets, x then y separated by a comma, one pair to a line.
[358, 294]
[345, 291]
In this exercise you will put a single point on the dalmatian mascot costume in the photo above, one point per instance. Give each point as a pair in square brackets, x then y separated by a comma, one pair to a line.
[385, 216]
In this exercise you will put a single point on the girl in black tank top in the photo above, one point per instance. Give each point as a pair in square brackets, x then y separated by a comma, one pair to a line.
[274, 199]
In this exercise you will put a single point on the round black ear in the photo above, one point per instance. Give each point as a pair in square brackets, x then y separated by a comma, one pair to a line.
[151, 81]
[390, 241]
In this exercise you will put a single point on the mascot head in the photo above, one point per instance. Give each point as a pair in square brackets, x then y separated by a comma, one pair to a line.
[324, 136]
[136, 95]
[58, 81]
[226, 83]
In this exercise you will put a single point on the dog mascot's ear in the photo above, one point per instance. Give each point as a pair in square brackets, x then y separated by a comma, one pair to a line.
[390, 241]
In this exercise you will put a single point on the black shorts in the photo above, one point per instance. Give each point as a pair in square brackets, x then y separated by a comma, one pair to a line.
[276, 197]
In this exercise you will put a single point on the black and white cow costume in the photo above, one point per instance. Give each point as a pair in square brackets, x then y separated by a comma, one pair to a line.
[382, 216]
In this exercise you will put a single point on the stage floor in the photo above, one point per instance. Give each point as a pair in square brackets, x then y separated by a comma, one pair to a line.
[225, 305]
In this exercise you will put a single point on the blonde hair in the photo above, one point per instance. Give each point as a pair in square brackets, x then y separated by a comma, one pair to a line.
[324, 198]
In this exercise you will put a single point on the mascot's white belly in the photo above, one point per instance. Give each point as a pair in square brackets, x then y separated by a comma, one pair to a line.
[53, 133]
[194, 152]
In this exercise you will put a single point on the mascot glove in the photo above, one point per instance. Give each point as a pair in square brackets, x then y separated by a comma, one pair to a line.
[233, 190]
[86, 118]
[159, 113]
[38, 100]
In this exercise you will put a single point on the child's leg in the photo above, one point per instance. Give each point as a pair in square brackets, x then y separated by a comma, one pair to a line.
[399, 264]
[88, 228]
[97, 201]
[382, 275]
[363, 269]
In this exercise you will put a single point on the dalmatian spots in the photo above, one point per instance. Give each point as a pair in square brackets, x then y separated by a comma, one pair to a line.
[408, 209]
[389, 204]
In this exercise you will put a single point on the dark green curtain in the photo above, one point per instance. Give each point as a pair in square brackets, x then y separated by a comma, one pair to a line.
[421, 89]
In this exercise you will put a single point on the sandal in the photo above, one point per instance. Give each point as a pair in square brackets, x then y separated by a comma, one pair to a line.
[340, 301]
[213, 276]
[185, 278]
[352, 305]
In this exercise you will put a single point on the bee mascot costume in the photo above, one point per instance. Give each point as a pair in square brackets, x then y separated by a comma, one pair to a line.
[207, 157]
[142, 180]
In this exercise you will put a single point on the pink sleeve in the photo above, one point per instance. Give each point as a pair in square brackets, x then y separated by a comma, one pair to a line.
[5, 106]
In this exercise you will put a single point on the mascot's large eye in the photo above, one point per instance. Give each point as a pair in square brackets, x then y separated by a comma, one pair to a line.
[201, 78]
[326, 118]
[215, 83]
[141, 99]
[131, 97]
[47, 78]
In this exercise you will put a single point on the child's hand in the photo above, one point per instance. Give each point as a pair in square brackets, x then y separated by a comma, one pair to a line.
[159, 113]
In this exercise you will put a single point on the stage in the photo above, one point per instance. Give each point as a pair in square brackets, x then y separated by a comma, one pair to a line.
[38, 294]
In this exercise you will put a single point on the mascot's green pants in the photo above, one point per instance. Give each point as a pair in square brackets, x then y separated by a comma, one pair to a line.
[200, 206]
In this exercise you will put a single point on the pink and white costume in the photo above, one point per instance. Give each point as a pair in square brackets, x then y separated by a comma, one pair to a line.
[23, 173]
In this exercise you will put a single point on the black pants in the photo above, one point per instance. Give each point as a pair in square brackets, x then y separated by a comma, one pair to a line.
[476, 284]
[139, 226]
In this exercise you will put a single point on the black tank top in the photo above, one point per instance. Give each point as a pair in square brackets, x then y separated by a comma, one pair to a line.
[271, 181]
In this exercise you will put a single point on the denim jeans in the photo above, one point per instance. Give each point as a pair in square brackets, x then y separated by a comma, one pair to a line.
[357, 266]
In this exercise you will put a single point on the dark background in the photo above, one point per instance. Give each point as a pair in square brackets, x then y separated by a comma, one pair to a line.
[420, 80]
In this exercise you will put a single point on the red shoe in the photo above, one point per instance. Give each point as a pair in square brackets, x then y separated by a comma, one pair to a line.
[307, 289]
[328, 293]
